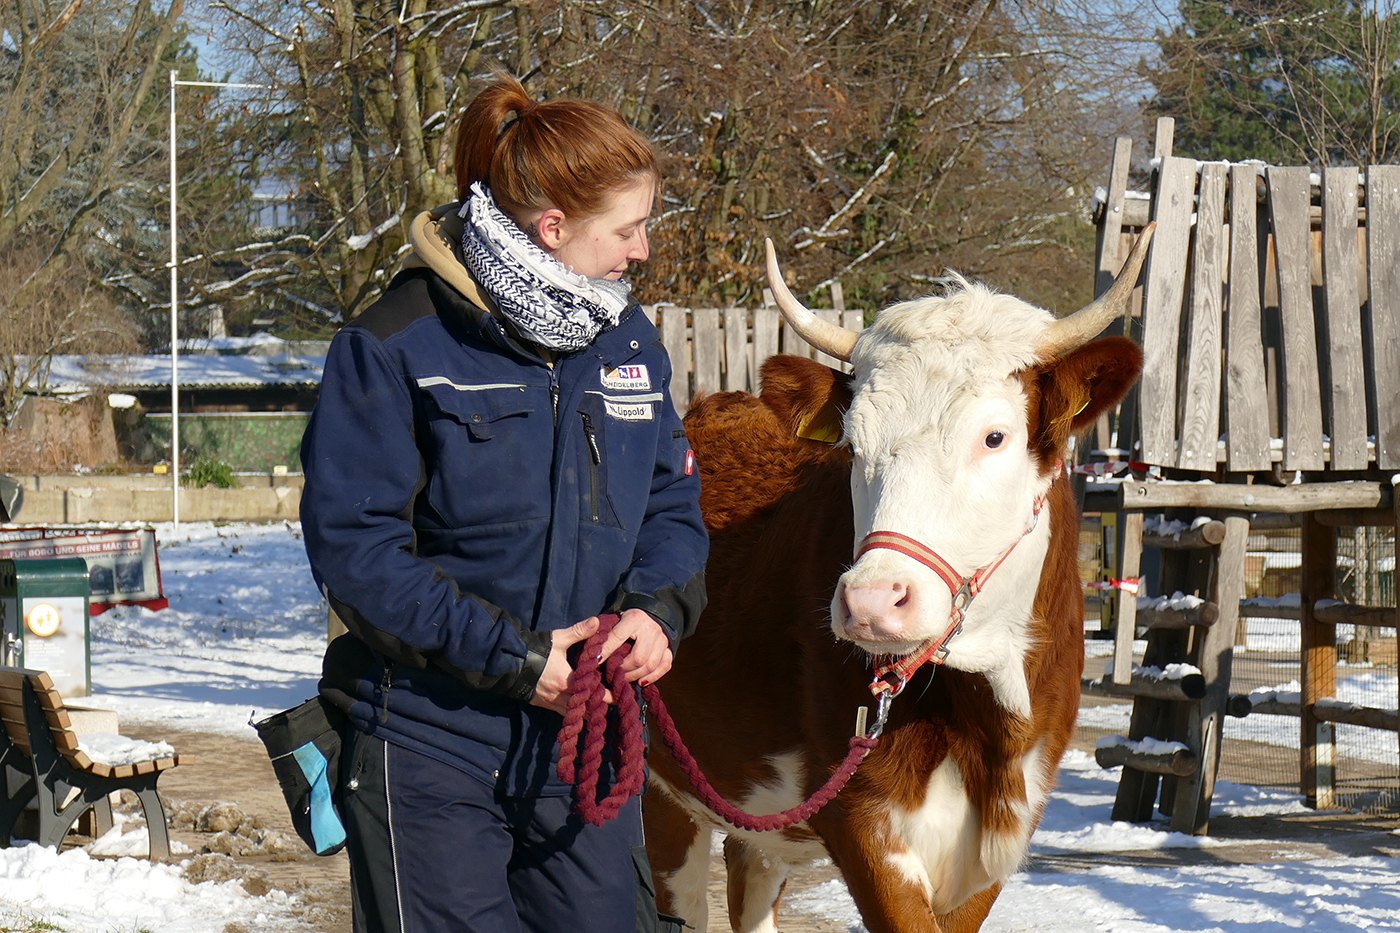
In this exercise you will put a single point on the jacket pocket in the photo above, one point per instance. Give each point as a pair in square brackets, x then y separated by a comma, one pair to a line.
[626, 428]
[477, 407]
[486, 450]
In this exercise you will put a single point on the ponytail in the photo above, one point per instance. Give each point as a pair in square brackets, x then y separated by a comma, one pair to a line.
[569, 154]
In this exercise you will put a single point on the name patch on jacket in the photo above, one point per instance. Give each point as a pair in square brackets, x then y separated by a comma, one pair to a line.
[632, 376]
[629, 411]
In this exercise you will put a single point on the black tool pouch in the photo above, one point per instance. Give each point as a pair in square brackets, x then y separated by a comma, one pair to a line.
[304, 745]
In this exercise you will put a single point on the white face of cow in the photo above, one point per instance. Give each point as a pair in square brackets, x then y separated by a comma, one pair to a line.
[938, 429]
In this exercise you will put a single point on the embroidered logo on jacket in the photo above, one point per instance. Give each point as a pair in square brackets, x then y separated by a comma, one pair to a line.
[629, 377]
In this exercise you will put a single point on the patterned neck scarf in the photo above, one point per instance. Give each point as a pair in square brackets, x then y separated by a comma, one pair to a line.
[549, 304]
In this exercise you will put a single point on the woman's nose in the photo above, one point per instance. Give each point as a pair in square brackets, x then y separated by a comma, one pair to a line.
[641, 250]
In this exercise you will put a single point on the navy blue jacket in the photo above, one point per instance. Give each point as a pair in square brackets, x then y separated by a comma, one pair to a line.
[463, 498]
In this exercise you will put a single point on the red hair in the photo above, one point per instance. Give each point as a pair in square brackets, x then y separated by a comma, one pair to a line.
[569, 154]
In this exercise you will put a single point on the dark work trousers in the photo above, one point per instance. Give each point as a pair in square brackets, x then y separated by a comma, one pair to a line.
[433, 849]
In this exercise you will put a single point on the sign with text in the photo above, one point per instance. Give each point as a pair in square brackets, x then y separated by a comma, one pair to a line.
[122, 563]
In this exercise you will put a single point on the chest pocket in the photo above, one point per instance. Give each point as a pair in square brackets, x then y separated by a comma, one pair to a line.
[621, 431]
[488, 451]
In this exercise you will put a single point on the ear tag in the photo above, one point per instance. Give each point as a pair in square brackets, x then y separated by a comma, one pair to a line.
[827, 431]
[1082, 405]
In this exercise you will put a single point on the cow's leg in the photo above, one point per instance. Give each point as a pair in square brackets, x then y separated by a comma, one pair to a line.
[756, 881]
[679, 852]
[888, 901]
[969, 916]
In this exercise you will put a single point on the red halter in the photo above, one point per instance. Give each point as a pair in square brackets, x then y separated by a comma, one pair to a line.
[891, 676]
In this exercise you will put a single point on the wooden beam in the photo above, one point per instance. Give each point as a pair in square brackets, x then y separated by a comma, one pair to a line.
[1213, 655]
[1300, 413]
[705, 340]
[1246, 409]
[1200, 392]
[1383, 265]
[1126, 629]
[1206, 535]
[1317, 666]
[1189, 687]
[1200, 616]
[1342, 334]
[1163, 293]
[1179, 761]
[1330, 612]
[1303, 497]
[1109, 253]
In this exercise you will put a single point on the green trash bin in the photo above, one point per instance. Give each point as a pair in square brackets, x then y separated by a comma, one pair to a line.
[44, 620]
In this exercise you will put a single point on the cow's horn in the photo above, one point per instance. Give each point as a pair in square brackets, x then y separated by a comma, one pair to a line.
[827, 337]
[1088, 322]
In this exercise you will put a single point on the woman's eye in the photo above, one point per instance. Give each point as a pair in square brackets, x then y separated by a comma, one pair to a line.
[994, 440]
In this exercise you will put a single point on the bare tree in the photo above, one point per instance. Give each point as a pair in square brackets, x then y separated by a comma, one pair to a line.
[74, 118]
[72, 315]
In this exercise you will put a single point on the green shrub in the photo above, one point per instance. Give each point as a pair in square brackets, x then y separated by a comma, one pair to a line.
[210, 471]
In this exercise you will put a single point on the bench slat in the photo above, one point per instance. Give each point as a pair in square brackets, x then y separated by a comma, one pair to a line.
[1162, 295]
[1343, 307]
[1383, 261]
[1300, 407]
[1200, 410]
[1246, 401]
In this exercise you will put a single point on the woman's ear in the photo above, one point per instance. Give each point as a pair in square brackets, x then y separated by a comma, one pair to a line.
[548, 229]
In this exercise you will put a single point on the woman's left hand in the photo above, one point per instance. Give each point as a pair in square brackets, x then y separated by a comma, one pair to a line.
[651, 648]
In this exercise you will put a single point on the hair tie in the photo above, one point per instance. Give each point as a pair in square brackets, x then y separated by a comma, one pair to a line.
[516, 115]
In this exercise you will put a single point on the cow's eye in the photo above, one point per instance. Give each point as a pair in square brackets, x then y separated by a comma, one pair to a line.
[995, 439]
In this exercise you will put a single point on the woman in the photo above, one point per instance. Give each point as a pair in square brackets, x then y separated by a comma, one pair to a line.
[494, 459]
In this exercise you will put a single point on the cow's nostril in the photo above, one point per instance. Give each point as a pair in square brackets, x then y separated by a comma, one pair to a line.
[903, 596]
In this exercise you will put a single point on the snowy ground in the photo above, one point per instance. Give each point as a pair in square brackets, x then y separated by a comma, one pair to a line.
[243, 636]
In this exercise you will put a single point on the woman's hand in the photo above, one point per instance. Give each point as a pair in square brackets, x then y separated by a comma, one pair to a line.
[648, 662]
[552, 689]
[651, 648]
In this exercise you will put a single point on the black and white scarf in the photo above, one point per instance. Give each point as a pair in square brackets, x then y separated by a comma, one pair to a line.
[547, 302]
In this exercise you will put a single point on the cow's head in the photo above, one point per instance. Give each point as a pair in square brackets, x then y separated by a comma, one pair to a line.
[962, 406]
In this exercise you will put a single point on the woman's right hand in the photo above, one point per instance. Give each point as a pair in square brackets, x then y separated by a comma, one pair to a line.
[552, 689]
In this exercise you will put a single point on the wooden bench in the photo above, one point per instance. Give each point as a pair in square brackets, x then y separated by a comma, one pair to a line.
[41, 761]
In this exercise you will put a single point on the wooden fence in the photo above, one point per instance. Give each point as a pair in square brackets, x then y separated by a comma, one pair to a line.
[717, 349]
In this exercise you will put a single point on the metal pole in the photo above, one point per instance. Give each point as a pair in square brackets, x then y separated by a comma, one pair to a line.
[174, 299]
[174, 329]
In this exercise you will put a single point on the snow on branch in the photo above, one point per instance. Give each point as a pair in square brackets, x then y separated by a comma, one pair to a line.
[830, 228]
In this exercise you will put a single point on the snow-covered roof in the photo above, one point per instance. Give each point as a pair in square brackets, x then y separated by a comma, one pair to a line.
[75, 374]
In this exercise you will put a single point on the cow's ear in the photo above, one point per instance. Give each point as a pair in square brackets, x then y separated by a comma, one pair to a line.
[1076, 388]
[809, 398]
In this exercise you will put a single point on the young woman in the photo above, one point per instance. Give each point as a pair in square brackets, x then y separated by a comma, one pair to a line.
[493, 461]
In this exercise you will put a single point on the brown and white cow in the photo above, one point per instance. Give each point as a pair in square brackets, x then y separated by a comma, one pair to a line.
[952, 427]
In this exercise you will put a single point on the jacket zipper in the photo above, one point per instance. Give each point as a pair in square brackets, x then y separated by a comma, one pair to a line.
[384, 690]
[554, 393]
[595, 459]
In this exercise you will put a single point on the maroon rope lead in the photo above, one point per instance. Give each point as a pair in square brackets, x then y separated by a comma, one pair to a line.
[587, 718]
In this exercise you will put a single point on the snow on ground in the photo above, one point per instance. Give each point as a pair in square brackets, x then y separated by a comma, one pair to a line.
[242, 638]
[244, 634]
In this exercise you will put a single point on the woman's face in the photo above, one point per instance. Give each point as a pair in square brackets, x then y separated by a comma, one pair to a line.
[601, 246]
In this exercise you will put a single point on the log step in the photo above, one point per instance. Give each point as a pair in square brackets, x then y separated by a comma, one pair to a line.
[1151, 755]
[1178, 682]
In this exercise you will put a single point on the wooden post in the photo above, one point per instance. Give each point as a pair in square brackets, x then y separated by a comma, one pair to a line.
[1127, 601]
[1214, 656]
[1318, 664]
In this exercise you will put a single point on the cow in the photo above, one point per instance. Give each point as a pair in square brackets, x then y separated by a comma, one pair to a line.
[831, 499]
